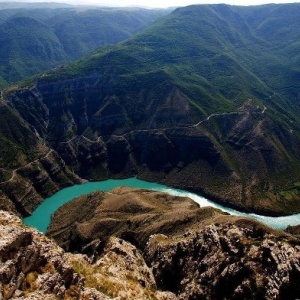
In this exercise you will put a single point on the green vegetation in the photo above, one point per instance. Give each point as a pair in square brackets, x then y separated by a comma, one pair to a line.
[17, 143]
[35, 40]
[214, 53]
[206, 98]
[210, 52]
[101, 279]
[27, 47]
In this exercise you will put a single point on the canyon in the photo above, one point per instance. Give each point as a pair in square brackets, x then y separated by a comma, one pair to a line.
[205, 99]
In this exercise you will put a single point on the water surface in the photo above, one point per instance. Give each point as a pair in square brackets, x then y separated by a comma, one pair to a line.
[40, 218]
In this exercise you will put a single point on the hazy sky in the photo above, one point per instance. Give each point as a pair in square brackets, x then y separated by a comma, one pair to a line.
[169, 3]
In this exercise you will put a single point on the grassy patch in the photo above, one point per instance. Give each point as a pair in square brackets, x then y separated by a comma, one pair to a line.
[109, 284]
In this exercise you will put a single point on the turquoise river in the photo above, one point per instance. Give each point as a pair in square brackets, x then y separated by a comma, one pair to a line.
[40, 218]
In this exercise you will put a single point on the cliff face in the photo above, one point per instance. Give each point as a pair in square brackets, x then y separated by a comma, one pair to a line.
[30, 184]
[29, 170]
[99, 137]
[226, 261]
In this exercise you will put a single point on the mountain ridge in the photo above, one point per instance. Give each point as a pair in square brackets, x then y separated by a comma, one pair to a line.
[172, 102]
[36, 40]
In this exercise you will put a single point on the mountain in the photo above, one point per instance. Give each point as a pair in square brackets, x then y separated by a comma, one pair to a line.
[204, 99]
[5, 5]
[83, 31]
[27, 47]
[34, 40]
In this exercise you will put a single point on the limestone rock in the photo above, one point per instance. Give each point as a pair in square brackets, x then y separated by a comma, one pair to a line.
[93, 294]
[30, 262]
[33, 267]
[119, 272]
[122, 258]
[226, 261]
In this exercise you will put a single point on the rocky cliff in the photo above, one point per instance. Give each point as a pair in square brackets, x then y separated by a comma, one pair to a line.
[29, 169]
[226, 261]
[195, 253]
[31, 263]
[173, 250]
[34, 267]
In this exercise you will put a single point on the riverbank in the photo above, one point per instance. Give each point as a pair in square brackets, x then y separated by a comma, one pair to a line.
[51, 204]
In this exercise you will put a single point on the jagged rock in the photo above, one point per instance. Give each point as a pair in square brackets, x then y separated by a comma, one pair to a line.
[36, 296]
[226, 261]
[119, 271]
[92, 294]
[122, 258]
[34, 267]
[31, 262]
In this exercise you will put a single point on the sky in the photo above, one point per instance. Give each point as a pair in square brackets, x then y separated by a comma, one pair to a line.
[171, 3]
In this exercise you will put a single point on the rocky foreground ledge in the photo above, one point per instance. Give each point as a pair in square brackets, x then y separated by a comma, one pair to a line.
[34, 267]
[206, 254]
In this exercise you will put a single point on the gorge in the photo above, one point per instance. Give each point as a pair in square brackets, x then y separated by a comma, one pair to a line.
[200, 116]
[202, 101]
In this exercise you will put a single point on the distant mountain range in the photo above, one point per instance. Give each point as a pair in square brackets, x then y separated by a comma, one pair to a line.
[13, 4]
[206, 99]
[36, 38]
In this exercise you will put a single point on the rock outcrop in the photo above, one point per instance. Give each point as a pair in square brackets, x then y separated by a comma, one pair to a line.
[226, 261]
[33, 267]
[119, 271]
[32, 263]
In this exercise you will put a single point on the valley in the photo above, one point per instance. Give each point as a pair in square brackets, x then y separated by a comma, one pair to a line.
[210, 106]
